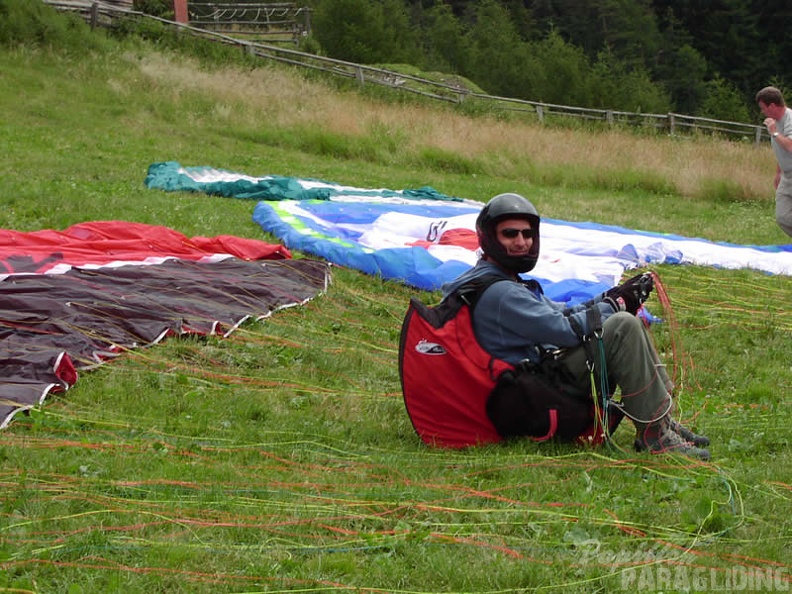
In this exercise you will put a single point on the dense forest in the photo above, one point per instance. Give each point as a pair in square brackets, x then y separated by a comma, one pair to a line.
[698, 57]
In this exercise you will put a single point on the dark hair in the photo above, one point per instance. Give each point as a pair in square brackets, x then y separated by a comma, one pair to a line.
[770, 95]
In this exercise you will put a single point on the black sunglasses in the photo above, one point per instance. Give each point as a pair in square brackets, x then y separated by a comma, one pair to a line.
[510, 233]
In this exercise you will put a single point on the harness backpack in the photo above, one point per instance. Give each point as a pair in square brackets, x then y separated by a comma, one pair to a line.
[458, 395]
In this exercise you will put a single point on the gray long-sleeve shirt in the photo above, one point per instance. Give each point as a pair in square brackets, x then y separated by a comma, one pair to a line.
[783, 156]
[512, 319]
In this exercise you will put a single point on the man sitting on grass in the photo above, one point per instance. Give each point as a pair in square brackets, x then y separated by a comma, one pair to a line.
[514, 321]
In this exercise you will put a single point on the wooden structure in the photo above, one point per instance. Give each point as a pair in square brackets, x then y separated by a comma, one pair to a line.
[266, 21]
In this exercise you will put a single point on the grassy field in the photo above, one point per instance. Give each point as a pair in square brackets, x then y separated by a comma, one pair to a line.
[281, 458]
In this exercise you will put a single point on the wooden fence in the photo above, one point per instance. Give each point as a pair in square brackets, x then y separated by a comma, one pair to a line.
[98, 13]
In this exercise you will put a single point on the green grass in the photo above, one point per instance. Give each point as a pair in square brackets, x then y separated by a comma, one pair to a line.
[282, 459]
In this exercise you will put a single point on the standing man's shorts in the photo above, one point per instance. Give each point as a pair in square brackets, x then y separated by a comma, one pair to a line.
[784, 203]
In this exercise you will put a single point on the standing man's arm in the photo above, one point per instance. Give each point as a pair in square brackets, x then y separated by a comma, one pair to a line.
[785, 142]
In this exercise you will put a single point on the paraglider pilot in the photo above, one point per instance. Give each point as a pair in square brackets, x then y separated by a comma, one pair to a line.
[515, 321]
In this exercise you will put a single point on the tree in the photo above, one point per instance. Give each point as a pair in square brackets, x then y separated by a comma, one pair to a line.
[680, 52]
[366, 32]
[564, 70]
[615, 85]
[723, 101]
[683, 74]
[629, 30]
[775, 43]
[493, 41]
[726, 33]
[443, 40]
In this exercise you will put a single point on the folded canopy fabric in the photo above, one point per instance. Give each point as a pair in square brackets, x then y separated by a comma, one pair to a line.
[424, 238]
[100, 243]
[71, 300]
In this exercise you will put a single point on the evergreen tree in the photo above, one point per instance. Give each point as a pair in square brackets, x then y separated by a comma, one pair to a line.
[629, 31]
[564, 70]
[773, 18]
[365, 31]
[618, 86]
[684, 74]
[722, 101]
[493, 41]
[725, 32]
[686, 55]
[576, 22]
[443, 41]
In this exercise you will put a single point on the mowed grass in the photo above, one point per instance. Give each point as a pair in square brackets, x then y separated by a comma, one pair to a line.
[281, 458]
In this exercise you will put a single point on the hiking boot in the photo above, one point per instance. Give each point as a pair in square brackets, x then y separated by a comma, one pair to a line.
[660, 438]
[688, 435]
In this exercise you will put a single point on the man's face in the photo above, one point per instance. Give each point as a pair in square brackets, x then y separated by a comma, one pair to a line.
[771, 110]
[516, 236]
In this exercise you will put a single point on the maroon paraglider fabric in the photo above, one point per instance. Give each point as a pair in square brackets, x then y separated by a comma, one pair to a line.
[71, 300]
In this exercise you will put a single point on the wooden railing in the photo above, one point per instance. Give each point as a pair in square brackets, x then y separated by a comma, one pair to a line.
[98, 13]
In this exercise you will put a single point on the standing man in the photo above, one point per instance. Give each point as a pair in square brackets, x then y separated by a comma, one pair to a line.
[778, 119]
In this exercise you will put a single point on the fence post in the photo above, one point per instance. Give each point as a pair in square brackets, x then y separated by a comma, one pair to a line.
[671, 124]
[94, 15]
[359, 75]
[540, 113]
[609, 117]
[180, 11]
[758, 135]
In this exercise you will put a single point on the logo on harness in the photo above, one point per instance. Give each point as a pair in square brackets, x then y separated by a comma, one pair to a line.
[429, 348]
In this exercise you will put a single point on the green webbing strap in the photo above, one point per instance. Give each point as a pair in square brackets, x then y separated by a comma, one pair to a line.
[594, 320]
[595, 359]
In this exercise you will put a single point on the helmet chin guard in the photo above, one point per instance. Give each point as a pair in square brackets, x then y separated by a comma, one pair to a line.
[507, 206]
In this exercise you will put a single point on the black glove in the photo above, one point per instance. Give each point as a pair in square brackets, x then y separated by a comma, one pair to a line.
[631, 294]
[642, 284]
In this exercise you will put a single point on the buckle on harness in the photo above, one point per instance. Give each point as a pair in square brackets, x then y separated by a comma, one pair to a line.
[557, 354]
[590, 349]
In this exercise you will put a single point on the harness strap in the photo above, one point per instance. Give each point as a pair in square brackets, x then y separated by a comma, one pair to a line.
[553, 414]
[470, 292]
[595, 360]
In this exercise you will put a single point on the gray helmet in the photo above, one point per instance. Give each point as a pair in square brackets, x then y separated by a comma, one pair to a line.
[507, 206]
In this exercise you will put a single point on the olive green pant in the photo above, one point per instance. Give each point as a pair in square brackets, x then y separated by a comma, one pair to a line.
[632, 364]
